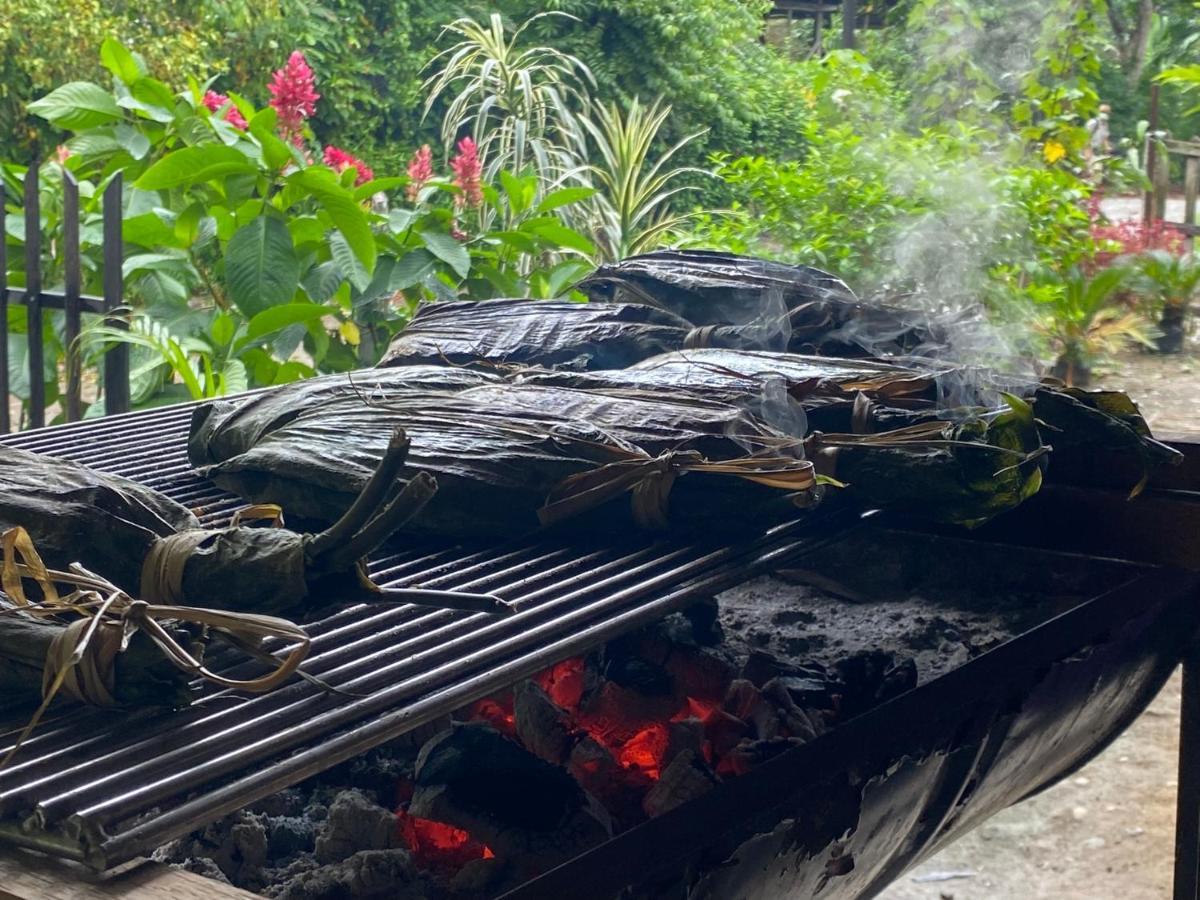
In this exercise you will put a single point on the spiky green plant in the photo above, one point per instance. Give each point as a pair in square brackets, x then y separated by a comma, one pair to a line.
[633, 208]
[1084, 323]
[1170, 283]
[512, 100]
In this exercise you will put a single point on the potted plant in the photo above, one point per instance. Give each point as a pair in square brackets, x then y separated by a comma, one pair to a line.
[1169, 283]
[1084, 322]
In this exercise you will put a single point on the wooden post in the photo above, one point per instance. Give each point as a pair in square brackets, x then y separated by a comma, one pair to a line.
[33, 299]
[1161, 184]
[72, 288]
[1191, 186]
[849, 20]
[116, 360]
[1151, 155]
[5, 422]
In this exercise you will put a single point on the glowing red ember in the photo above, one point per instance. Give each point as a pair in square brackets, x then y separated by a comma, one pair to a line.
[435, 844]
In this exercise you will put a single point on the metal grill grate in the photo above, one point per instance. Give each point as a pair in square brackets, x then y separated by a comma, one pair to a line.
[105, 788]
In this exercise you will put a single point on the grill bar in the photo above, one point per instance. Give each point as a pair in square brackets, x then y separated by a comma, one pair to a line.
[105, 788]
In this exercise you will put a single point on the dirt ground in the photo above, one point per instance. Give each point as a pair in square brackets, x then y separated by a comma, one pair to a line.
[1108, 832]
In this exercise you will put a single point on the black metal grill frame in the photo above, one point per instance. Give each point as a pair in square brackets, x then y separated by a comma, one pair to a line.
[105, 788]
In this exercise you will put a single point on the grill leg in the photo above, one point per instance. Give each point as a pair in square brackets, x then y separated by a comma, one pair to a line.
[1187, 812]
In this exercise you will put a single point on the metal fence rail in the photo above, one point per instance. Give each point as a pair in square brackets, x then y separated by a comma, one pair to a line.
[71, 300]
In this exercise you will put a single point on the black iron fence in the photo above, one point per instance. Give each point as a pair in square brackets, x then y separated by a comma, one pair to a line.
[70, 299]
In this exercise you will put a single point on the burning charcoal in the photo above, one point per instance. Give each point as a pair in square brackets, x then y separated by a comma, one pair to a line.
[598, 772]
[684, 735]
[355, 823]
[530, 813]
[552, 333]
[798, 722]
[542, 727]
[686, 778]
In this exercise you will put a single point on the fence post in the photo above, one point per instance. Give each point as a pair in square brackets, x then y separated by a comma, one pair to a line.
[33, 298]
[5, 421]
[1191, 186]
[72, 288]
[116, 360]
[1151, 159]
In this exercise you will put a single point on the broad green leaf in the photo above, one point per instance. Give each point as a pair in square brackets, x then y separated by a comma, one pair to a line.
[234, 379]
[276, 153]
[322, 282]
[159, 262]
[194, 165]
[148, 230]
[448, 250]
[411, 269]
[76, 106]
[520, 191]
[132, 140]
[563, 196]
[277, 318]
[93, 143]
[349, 265]
[347, 216]
[154, 93]
[120, 61]
[400, 220]
[371, 188]
[561, 235]
[148, 110]
[261, 269]
[222, 329]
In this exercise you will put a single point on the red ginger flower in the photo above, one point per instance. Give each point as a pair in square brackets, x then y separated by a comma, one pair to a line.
[339, 160]
[420, 170]
[293, 96]
[214, 101]
[467, 171]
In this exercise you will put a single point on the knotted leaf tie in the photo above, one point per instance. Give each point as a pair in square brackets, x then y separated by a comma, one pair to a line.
[81, 658]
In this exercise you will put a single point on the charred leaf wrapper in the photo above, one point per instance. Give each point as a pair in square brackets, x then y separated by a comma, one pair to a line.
[509, 459]
[77, 521]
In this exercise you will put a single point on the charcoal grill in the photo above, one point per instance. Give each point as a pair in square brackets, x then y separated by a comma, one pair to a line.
[105, 789]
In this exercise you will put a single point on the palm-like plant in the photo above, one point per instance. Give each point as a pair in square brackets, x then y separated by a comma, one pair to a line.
[513, 100]
[1084, 323]
[1171, 283]
[631, 211]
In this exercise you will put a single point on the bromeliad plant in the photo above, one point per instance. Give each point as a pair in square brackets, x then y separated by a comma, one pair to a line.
[255, 257]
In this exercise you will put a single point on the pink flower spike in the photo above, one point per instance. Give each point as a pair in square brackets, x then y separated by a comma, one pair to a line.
[420, 170]
[293, 96]
[339, 160]
[467, 173]
[61, 154]
[214, 101]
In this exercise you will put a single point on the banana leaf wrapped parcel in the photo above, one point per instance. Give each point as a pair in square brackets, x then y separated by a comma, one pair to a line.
[552, 333]
[740, 301]
[508, 461]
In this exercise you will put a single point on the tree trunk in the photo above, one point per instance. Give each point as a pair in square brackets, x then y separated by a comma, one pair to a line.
[1141, 40]
[849, 19]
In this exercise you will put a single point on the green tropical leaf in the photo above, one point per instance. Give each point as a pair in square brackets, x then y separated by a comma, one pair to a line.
[76, 106]
[412, 269]
[348, 217]
[278, 318]
[120, 61]
[449, 250]
[561, 235]
[564, 196]
[261, 269]
[195, 165]
[347, 262]
[276, 153]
